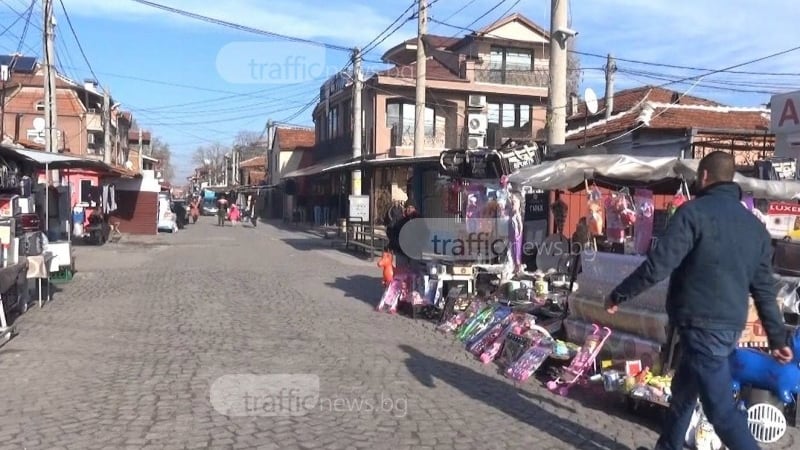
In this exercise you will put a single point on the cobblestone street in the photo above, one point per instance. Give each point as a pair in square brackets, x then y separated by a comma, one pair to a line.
[125, 355]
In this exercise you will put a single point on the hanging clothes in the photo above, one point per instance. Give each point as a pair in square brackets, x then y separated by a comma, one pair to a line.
[112, 192]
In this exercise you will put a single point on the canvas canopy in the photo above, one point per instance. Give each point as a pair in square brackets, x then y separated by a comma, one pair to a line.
[567, 173]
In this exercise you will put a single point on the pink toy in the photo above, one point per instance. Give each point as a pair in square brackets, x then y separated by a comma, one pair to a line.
[529, 362]
[584, 360]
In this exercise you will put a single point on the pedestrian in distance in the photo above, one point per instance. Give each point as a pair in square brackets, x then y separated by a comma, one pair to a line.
[234, 214]
[717, 254]
[222, 211]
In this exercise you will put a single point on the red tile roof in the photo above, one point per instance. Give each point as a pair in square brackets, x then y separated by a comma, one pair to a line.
[257, 162]
[291, 139]
[666, 116]
[629, 98]
[133, 136]
[434, 70]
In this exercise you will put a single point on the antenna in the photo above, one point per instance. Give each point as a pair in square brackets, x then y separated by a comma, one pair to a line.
[591, 108]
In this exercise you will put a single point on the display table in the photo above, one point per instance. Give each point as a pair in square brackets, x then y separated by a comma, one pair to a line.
[10, 277]
[39, 269]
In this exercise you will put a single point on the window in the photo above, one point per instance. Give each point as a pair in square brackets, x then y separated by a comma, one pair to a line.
[86, 191]
[401, 116]
[509, 115]
[333, 122]
[509, 65]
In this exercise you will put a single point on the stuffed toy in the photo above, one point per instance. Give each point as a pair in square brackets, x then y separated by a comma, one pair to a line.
[761, 371]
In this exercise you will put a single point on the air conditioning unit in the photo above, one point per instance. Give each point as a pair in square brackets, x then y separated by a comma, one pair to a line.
[91, 139]
[477, 123]
[477, 101]
[475, 142]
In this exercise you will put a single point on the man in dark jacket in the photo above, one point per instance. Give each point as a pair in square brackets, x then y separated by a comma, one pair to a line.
[715, 252]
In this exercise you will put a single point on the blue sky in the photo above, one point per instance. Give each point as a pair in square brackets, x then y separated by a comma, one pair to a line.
[194, 83]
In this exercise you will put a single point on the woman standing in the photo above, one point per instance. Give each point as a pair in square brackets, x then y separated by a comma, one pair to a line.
[194, 208]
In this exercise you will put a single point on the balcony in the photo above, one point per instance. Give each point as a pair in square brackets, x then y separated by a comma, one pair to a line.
[94, 121]
[338, 146]
[536, 77]
[402, 141]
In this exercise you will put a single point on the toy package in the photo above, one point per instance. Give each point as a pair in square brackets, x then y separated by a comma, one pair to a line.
[594, 219]
[643, 232]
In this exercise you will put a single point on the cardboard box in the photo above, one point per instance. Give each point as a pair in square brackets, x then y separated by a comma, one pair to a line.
[753, 334]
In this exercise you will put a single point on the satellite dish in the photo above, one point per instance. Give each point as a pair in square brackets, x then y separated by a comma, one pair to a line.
[128, 165]
[38, 124]
[591, 100]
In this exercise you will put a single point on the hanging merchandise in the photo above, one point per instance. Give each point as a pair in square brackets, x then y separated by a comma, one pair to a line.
[680, 197]
[559, 209]
[643, 232]
[626, 207]
[472, 214]
[615, 229]
[594, 219]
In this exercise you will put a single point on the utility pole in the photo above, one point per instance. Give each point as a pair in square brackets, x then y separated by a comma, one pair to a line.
[50, 106]
[141, 152]
[557, 92]
[5, 74]
[357, 127]
[611, 69]
[107, 127]
[419, 122]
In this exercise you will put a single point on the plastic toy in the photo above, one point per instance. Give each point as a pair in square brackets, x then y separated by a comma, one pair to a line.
[386, 263]
[498, 317]
[761, 371]
[582, 361]
[475, 323]
[391, 295]
[533, 358]
[486, 338]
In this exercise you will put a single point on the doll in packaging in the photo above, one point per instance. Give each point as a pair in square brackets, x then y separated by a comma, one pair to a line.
[643, 233]
[595, 220]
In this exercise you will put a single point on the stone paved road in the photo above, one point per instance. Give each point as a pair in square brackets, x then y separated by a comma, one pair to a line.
[125, 355]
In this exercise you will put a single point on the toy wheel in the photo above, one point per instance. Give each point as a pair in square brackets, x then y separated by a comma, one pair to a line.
[767, 423]
[563, 391]
[552, 385]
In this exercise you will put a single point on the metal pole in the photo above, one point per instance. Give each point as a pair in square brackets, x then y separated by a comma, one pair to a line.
[611, 68]
[557, 92]
[50, 106]
[419, 122]
[357, 126]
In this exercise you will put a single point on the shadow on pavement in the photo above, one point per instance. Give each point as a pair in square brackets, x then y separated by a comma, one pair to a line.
[360, 287]
[504, 398]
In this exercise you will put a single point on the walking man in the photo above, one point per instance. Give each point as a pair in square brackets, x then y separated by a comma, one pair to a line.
[716, 254]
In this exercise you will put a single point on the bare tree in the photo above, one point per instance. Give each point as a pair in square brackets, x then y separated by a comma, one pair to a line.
[212, 158]
[247, 143]
[161, 151]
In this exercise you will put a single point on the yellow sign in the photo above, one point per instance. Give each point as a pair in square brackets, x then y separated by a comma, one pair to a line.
[356, 184]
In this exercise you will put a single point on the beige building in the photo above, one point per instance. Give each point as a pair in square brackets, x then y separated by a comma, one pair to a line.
[482, 89]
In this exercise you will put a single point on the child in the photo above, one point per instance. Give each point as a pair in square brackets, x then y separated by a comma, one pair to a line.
[234, 214]
[387, 264]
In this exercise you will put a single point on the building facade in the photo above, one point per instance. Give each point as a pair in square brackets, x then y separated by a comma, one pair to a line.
[482, 89]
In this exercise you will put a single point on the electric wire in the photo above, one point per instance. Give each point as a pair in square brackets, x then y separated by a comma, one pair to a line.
[240, 27]
[78, 41]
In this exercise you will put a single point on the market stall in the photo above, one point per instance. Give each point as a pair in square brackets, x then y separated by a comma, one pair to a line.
[641, 350]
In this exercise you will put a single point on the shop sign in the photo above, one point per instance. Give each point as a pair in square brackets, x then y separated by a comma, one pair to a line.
[536, 205]
[785, 113]
[783, 209]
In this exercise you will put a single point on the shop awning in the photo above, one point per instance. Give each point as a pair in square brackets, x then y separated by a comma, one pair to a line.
[568, 173]
[401, 161]
[60, 161]
[326, 165]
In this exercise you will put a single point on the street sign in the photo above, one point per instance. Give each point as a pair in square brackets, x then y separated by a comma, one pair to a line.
[785, 113]
[359, 207]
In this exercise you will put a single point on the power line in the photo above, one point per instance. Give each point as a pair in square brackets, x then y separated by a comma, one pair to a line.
[240, 27]
[674, 66]
[499, 4]
[78, 41]
[19, 17]
[399, 18]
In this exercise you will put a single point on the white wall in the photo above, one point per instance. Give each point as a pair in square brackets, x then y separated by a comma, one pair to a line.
[147, 183]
